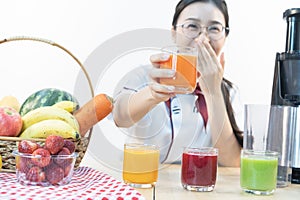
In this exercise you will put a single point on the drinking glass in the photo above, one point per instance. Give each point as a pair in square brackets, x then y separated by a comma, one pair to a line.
[258, 172]
[199, 169]
[269, 127]
[183, 60]
[140, 165]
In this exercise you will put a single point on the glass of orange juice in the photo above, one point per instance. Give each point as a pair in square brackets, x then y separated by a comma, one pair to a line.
[183, 60]
[140, 165]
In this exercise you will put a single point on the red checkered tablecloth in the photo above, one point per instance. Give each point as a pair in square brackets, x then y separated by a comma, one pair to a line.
[87, 183]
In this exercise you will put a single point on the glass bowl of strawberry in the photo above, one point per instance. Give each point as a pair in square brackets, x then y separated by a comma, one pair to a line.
[48, 164]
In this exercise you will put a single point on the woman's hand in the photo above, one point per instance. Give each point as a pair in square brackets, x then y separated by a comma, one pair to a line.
[210, 67]
[159, 91]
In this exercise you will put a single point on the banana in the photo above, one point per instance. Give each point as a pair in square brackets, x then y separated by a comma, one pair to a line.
[49, 112]
[48, 127]
[69, 106]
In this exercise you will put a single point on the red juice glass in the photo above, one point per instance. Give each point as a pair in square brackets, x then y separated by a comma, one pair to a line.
[199, 169]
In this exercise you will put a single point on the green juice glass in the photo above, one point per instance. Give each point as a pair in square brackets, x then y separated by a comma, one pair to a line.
[258, 173]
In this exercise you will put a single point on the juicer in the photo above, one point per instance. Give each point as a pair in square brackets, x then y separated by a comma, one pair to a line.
[284, 125]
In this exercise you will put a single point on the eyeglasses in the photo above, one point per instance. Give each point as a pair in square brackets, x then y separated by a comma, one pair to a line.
[192, 30]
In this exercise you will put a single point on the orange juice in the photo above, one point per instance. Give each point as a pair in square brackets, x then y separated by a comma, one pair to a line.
[186, 72]
[140, 164]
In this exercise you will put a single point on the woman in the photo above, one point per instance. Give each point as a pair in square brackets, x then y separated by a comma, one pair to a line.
[153, 113]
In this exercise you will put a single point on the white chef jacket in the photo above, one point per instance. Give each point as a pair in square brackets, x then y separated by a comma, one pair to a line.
[156, 127]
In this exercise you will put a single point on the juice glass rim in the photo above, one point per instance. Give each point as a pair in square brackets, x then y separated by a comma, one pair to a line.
[259, 152]
[137, 145]
[174, 48]
[264, 105]
[28, 155]
[207, 150]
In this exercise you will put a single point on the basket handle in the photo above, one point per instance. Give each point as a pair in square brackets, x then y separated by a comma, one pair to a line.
[19, 38]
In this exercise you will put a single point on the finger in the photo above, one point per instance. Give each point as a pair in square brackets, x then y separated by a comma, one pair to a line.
[202, 57]
[222, 60]
[203, 52]
[202, 38]
[212, 54]
[156, 73]
[162, 89]
[157, 58]
[211, 58]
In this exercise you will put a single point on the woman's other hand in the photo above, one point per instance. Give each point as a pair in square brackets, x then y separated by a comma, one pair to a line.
[210, 67]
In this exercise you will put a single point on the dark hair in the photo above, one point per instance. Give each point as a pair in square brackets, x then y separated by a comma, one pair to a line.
[220, 4]
[226, 85]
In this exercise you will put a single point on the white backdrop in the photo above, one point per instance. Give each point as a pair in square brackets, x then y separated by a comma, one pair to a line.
[257, 33]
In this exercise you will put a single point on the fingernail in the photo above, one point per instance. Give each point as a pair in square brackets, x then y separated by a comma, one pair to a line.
[169, 87]
[171, 72]
[165, 57]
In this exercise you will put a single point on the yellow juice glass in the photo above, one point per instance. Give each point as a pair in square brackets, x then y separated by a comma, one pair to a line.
[140, 165]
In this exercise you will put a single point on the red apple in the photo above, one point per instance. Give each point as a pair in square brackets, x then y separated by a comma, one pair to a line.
[10, 122]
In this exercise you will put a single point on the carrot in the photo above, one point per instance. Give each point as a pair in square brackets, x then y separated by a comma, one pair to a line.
[93, 111]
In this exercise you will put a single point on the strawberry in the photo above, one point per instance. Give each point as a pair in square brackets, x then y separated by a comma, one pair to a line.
[64, 151]
[70, 145]
[67, 170]
[35, 174]
[41, 157]
[54, 174]
[23, 164]
[54, 144]
[61, 161]
[27, 146]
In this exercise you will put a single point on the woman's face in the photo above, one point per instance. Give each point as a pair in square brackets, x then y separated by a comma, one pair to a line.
[204, 14]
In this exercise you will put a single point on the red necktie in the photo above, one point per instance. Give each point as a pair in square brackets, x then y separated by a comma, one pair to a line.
[200, 104]
[201, 107]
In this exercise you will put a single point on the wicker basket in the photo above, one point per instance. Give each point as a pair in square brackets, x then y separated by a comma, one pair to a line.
[9, 144]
